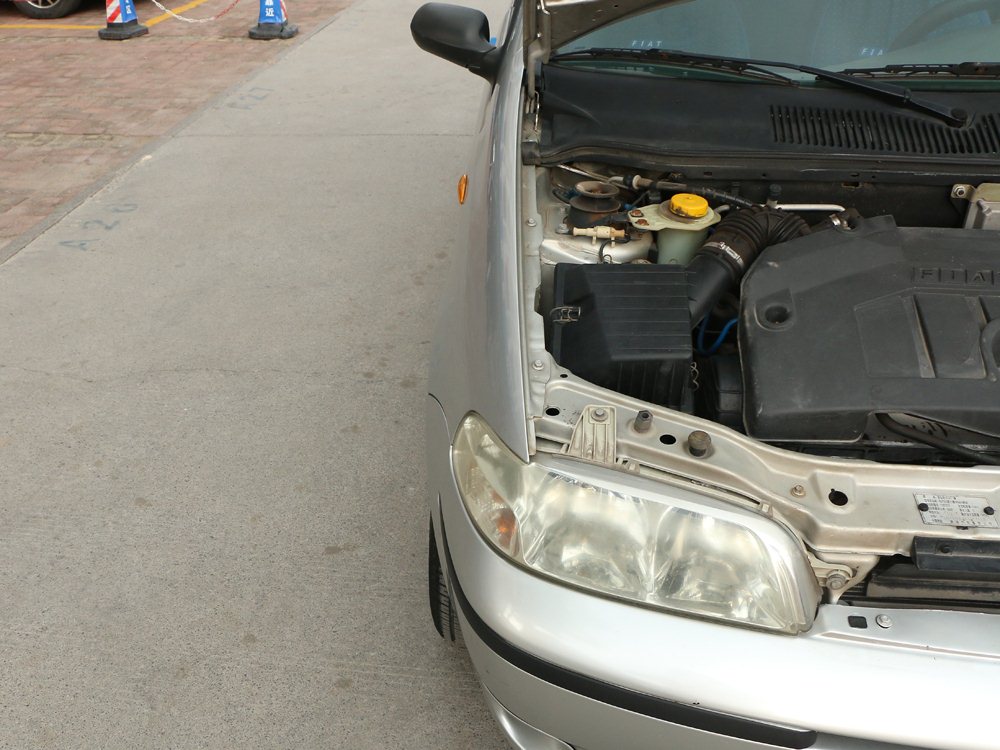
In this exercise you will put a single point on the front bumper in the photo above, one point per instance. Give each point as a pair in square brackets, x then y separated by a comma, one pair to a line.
[595, 673]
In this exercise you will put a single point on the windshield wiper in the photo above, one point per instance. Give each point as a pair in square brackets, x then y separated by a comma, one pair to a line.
[735, 66]
[952, 70]
[898, 95]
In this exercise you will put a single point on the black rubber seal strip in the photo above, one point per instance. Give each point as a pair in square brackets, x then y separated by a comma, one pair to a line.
[630, 700]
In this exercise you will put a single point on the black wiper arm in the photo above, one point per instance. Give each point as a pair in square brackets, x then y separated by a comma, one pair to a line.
[682, 59]
[898, 95]
[953, 70]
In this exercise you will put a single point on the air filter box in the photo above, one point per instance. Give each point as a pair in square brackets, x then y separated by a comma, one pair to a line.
[625, 327]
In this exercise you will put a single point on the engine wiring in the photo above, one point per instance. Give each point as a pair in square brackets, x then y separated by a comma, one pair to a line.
[719, 340]
[601, 257]
[642, 185]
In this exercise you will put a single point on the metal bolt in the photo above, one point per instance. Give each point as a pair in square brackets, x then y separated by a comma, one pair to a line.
[599, 415]
[699, 443]
[636, 213]
[563, 229]
[643, 421]
[988, 510]
[836, 581]
[798, 491]
[538, 365]
[531, 222]
[960, 191]
[883, 621]
[642, 223]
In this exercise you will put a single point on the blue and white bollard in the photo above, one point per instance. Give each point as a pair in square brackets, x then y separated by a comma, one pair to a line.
[123, 21]
[273, 22]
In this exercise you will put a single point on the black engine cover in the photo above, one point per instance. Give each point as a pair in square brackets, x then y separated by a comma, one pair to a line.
[841, 324]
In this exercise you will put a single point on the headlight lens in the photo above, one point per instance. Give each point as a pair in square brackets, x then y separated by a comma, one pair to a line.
[667, 547]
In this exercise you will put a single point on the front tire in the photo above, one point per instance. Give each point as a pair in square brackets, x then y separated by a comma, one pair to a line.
[442, 610]
[47, 8]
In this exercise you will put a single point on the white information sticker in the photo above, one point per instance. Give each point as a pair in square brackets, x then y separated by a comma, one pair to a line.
[956, 510]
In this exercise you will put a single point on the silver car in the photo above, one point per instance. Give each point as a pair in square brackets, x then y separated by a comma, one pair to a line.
[714, 417]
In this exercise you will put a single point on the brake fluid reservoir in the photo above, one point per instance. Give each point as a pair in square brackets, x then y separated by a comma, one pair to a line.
[681, 225]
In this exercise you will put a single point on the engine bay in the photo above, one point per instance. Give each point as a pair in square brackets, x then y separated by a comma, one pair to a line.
[811, 326]
[832, 364]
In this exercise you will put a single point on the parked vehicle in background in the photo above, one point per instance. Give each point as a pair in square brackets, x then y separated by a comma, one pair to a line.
[714, 427]
[47, 8]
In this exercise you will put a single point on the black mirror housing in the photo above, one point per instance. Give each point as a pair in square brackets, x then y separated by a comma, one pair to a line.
[457, 34]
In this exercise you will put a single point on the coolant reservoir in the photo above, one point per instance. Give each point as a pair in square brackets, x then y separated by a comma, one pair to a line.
[681, 224]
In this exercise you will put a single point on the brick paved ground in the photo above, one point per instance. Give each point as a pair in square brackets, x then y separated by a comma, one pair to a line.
[73, 108]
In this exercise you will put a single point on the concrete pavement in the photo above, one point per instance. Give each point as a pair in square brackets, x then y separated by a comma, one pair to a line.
[93, 103]
[212, 521]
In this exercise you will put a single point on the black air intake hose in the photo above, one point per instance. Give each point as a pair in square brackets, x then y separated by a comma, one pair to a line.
[738, 240]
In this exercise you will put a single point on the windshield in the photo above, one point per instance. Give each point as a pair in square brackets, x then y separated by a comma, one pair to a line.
[830, 34]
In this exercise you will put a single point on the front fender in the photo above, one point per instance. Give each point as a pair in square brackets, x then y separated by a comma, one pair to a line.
[478, 358]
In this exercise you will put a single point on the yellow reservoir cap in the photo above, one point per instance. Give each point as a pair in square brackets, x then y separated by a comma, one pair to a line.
[688, 206]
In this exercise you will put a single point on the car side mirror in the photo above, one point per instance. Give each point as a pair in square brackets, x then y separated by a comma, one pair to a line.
[457, 34]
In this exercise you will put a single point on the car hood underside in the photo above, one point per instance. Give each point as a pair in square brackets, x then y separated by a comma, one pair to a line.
[557, 22]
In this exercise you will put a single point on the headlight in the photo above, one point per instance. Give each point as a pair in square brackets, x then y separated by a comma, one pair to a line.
[663, 546]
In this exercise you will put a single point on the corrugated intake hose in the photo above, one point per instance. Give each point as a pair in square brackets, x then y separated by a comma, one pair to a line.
[738, 239]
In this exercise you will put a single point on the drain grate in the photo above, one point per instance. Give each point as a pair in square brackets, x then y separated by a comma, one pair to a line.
[880, 132]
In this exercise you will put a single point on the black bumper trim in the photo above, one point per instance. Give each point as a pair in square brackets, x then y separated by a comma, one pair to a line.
[620, 697]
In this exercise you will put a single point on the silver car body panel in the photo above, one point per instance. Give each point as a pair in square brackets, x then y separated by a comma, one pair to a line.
[881, 515]
[929, 680]
[477, 362]
[519, 733]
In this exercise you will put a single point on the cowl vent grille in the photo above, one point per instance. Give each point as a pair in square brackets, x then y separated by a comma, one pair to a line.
[878, 132]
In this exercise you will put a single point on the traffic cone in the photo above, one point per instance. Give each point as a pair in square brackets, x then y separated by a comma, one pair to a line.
[273, 22]
[123, 22]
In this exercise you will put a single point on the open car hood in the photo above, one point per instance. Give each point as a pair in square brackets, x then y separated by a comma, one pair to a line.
[562, 21]
[549, 24]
